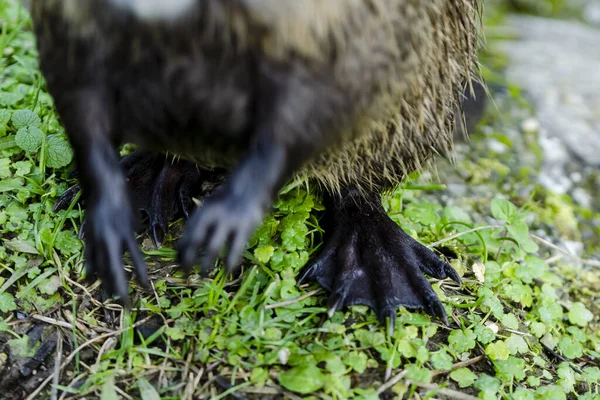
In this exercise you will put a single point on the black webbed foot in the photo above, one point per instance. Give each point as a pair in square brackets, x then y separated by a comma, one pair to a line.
[170, 195]
[369, 260]
[171, 192]
[162, 188]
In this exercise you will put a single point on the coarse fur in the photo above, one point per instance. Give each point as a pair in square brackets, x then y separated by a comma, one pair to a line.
[352, 94]
[384, 75]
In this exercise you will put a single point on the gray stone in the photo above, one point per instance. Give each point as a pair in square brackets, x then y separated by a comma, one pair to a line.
[591, 12]
[557, 63]
[582, 197]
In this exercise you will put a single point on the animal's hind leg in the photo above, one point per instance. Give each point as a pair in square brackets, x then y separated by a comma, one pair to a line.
[162, 187]
[369, 260]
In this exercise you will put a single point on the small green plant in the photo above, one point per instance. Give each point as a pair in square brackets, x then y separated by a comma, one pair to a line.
[524, 323]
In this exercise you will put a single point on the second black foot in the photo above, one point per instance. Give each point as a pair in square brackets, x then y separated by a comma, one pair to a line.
[162, 188]
[369, 260]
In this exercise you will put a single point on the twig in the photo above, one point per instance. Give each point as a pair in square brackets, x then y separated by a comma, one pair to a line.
[162, 380]
[52, 321]
[458, 365]
[214, 365]
[59, 347]
[195, 382]
[391, 382]
[108, 343]
[554, 258]
[208, 383]
[77, 350]
[459, 234]
[518, 332]
[122, 393]
[454, 394]
[72, 384]
[85, 290]
[74, 321]
[265, 390]
[593, 263]
[292, 301]
[561, 358]
[156, 297]
[188, 391]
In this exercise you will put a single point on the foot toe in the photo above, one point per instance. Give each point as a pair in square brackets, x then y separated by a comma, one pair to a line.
[335, 302]
[236, 247]
[369, 260]
[452, 274]
[188, 250]
[137, 259]
[158, 234]
[434, 266]
[65, 200]
[321, 270]
[434, 307]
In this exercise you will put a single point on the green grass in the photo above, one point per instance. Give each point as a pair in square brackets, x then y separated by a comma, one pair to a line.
[524, 324]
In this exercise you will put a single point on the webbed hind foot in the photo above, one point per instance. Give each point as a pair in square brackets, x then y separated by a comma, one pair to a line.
[369, 260]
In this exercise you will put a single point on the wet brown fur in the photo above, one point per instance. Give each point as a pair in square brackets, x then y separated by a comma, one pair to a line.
[396, 66]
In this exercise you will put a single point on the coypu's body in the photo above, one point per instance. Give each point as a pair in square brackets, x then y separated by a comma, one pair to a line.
[350, 93]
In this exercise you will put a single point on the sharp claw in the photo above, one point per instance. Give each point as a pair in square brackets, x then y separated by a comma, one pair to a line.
[142, 277]
[187, 255]
[204, 271]
[305, 274]
[158, 235]
[189, 243]
[334, 303]
[183, 204]
[185, 210]
[331, 312]
[115, 263]
[81, 234]
[126, 302]
[452, 274]
[215, 243]
[388, 313]
[208, 262]
[90, 273]
[139, 265]
[66, 198]
[372, 261]
[321, 269]
[233, 258]
[120, 286]
[237, 245]
[435, 308]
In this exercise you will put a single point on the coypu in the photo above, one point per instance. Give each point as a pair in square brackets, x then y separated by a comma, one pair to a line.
[351, 94]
